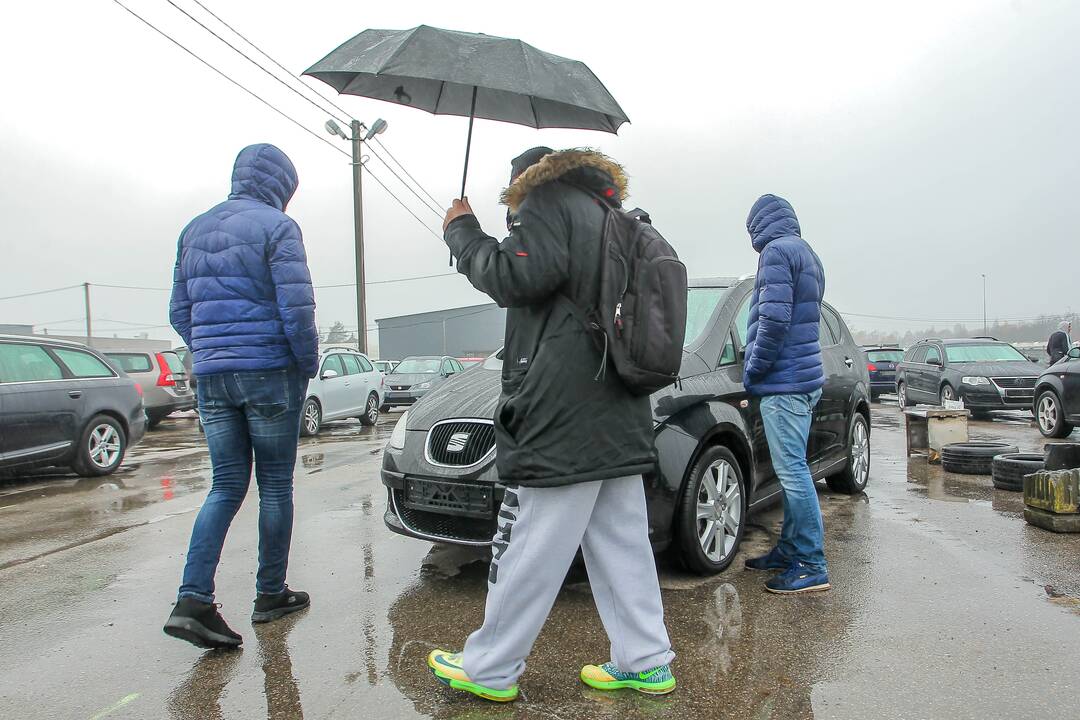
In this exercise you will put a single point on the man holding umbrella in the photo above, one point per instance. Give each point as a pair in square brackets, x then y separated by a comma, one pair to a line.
[572, 444]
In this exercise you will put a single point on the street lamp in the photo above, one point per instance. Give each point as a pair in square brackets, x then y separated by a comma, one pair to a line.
[357, 140]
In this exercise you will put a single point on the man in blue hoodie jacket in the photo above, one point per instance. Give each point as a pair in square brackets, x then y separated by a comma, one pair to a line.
[783, 367]
[242, 301]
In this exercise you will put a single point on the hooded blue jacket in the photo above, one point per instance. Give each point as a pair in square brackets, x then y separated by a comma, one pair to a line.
[242, 296]
[782, 348]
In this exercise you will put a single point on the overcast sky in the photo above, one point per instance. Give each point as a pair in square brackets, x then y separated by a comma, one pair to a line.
[922, 145]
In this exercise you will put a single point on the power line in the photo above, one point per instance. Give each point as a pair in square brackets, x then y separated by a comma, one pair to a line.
[40, 292]
[438, 212]
[387, 282]
[407, 208]
[267, 103]
[380, 142]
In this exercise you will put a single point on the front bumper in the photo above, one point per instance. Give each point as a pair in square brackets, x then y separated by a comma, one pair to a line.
[983, 397]
[404, 397]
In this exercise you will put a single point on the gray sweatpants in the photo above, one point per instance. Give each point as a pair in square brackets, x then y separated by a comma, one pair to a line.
[540, 530]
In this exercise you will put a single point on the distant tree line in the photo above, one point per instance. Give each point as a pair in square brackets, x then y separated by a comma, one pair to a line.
[1032, 331]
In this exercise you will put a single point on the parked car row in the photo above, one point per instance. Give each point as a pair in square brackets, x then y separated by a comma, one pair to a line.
[162, 378]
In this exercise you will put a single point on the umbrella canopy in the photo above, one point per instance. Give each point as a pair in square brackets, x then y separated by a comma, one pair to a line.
[441, 70]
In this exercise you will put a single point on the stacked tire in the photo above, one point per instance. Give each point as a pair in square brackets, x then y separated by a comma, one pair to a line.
[1009, 470]
[973, 458]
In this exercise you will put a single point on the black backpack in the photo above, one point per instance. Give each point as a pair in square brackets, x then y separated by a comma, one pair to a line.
[641, 306]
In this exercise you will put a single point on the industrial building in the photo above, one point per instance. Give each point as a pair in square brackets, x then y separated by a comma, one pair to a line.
[474, 331]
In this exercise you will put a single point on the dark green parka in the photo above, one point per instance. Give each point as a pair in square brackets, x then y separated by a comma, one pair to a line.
[556, 423]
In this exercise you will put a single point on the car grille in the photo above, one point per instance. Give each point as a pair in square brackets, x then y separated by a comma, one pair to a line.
[400, 387]
[448, 527]
[1015, 382]
[460, 443]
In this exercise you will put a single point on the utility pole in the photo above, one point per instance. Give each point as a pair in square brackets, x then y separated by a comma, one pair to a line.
[86, 305]
[986, 328]
[358, 232]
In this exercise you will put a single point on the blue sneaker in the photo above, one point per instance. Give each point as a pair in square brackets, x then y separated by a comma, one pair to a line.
[771, 560]
[798, 579]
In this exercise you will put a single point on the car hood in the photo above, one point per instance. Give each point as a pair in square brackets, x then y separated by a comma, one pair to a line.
[999, 369]
[475, 393]
[410, 378]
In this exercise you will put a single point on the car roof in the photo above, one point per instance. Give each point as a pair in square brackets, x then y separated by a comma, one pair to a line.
[44, 340]
[713, 282]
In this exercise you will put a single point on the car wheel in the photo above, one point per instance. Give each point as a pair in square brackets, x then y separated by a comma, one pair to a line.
[101, 447]
[711, 513]
[385, 408]
[153, 421]
[311, 420]
[371, 412]
[1050, 416]
[852, 480]
[947, 394]
[901, 396]
[1009, 470]
[973, 458]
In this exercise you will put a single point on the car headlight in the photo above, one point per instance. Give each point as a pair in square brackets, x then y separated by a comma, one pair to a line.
[422, 386]
[975, 380]
[397, 438]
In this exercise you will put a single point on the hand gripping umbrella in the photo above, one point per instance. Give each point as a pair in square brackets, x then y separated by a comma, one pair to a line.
[470, 75]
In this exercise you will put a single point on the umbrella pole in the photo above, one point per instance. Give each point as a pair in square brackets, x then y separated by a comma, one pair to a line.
[468, 144]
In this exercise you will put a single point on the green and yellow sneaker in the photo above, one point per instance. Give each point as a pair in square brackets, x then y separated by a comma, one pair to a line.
[446, 667]
[658, 681]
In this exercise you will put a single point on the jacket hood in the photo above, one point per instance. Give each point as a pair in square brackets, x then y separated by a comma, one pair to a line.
[1064, 326]
[264, 173]
[770, 218]
[588, 168]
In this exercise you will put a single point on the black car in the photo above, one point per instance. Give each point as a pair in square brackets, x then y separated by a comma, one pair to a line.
[881, 362]
[713, 469]
[416, 376]
[1057, 397]
[63, 404]
[985, 373]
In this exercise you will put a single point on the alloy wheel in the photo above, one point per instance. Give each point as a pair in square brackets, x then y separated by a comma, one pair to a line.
[104, 446]
[947, 393]
[901, 395]
[373, 410]
[311, 418]
[860, 454]
[719, 510]
[1048, 413]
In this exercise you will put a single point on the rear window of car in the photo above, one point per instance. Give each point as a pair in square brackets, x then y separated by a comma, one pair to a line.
[884, 355]
[131, 362]
[83, 364]
[176, 365]
[27, 363]
[988, 352]
[365, 366]
[701, 302]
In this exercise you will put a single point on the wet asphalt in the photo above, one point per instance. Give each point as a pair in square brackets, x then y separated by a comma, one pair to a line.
[945, 603]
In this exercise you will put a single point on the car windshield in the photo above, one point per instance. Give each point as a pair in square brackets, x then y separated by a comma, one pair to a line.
[990, 352]
[418, 366]
[885, 355]
[700, 304]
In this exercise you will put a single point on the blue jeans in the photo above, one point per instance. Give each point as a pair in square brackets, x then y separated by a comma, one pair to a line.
[787, 427]
[246, 416]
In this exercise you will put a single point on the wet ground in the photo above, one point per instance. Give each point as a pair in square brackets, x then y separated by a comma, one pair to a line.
[946, 604]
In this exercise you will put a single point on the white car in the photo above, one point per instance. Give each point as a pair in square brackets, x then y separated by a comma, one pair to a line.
[347, 386]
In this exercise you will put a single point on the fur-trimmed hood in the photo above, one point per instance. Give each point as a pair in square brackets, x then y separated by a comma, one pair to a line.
[585, 167]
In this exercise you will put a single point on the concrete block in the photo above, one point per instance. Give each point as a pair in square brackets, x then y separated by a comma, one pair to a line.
[1055, 491]
[1052, 521]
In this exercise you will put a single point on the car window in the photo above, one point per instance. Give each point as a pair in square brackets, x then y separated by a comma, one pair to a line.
[826, 336]
[176, 365]
[416, 366]
[352, 365]
[365, 366]
[728, 357]
[701, 303]
[932, 353]
[458, 366]
[333, 362]
[742, 320]
[131, 362]
[27, 363]
[834, 323]
[989, 352]
[83, 364]
[893, 356]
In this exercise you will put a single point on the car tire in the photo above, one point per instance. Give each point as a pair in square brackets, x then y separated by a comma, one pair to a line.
[853, 478]
[385, 408]
[371, 411]
[973, 458]
[947, 393]
[311, 418]
[153, 421]
[101, 449]
[901, 396]
[1009, 470]
[1050, 416]
[709, 542]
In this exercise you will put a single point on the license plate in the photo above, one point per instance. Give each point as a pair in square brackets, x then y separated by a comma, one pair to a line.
[449, 498]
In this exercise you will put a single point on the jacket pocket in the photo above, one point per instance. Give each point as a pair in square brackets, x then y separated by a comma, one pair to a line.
[265, 393]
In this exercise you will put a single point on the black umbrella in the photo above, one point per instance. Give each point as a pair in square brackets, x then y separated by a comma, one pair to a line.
[471, 75]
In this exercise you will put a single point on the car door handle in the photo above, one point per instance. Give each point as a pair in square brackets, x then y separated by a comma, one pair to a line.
[75, 394]
[849, 362]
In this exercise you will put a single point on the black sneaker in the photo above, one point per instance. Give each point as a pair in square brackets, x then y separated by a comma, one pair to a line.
[201, 625]
[271, 607]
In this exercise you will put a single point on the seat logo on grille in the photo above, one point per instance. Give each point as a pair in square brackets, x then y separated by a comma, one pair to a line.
[457, 442]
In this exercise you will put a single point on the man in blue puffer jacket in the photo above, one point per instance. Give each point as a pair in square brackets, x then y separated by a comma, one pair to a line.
[242, 301]
[783, 367]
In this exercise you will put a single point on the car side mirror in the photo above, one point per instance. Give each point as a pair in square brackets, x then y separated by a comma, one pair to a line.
[329, 375]
[1074, 353]
[934, 361]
